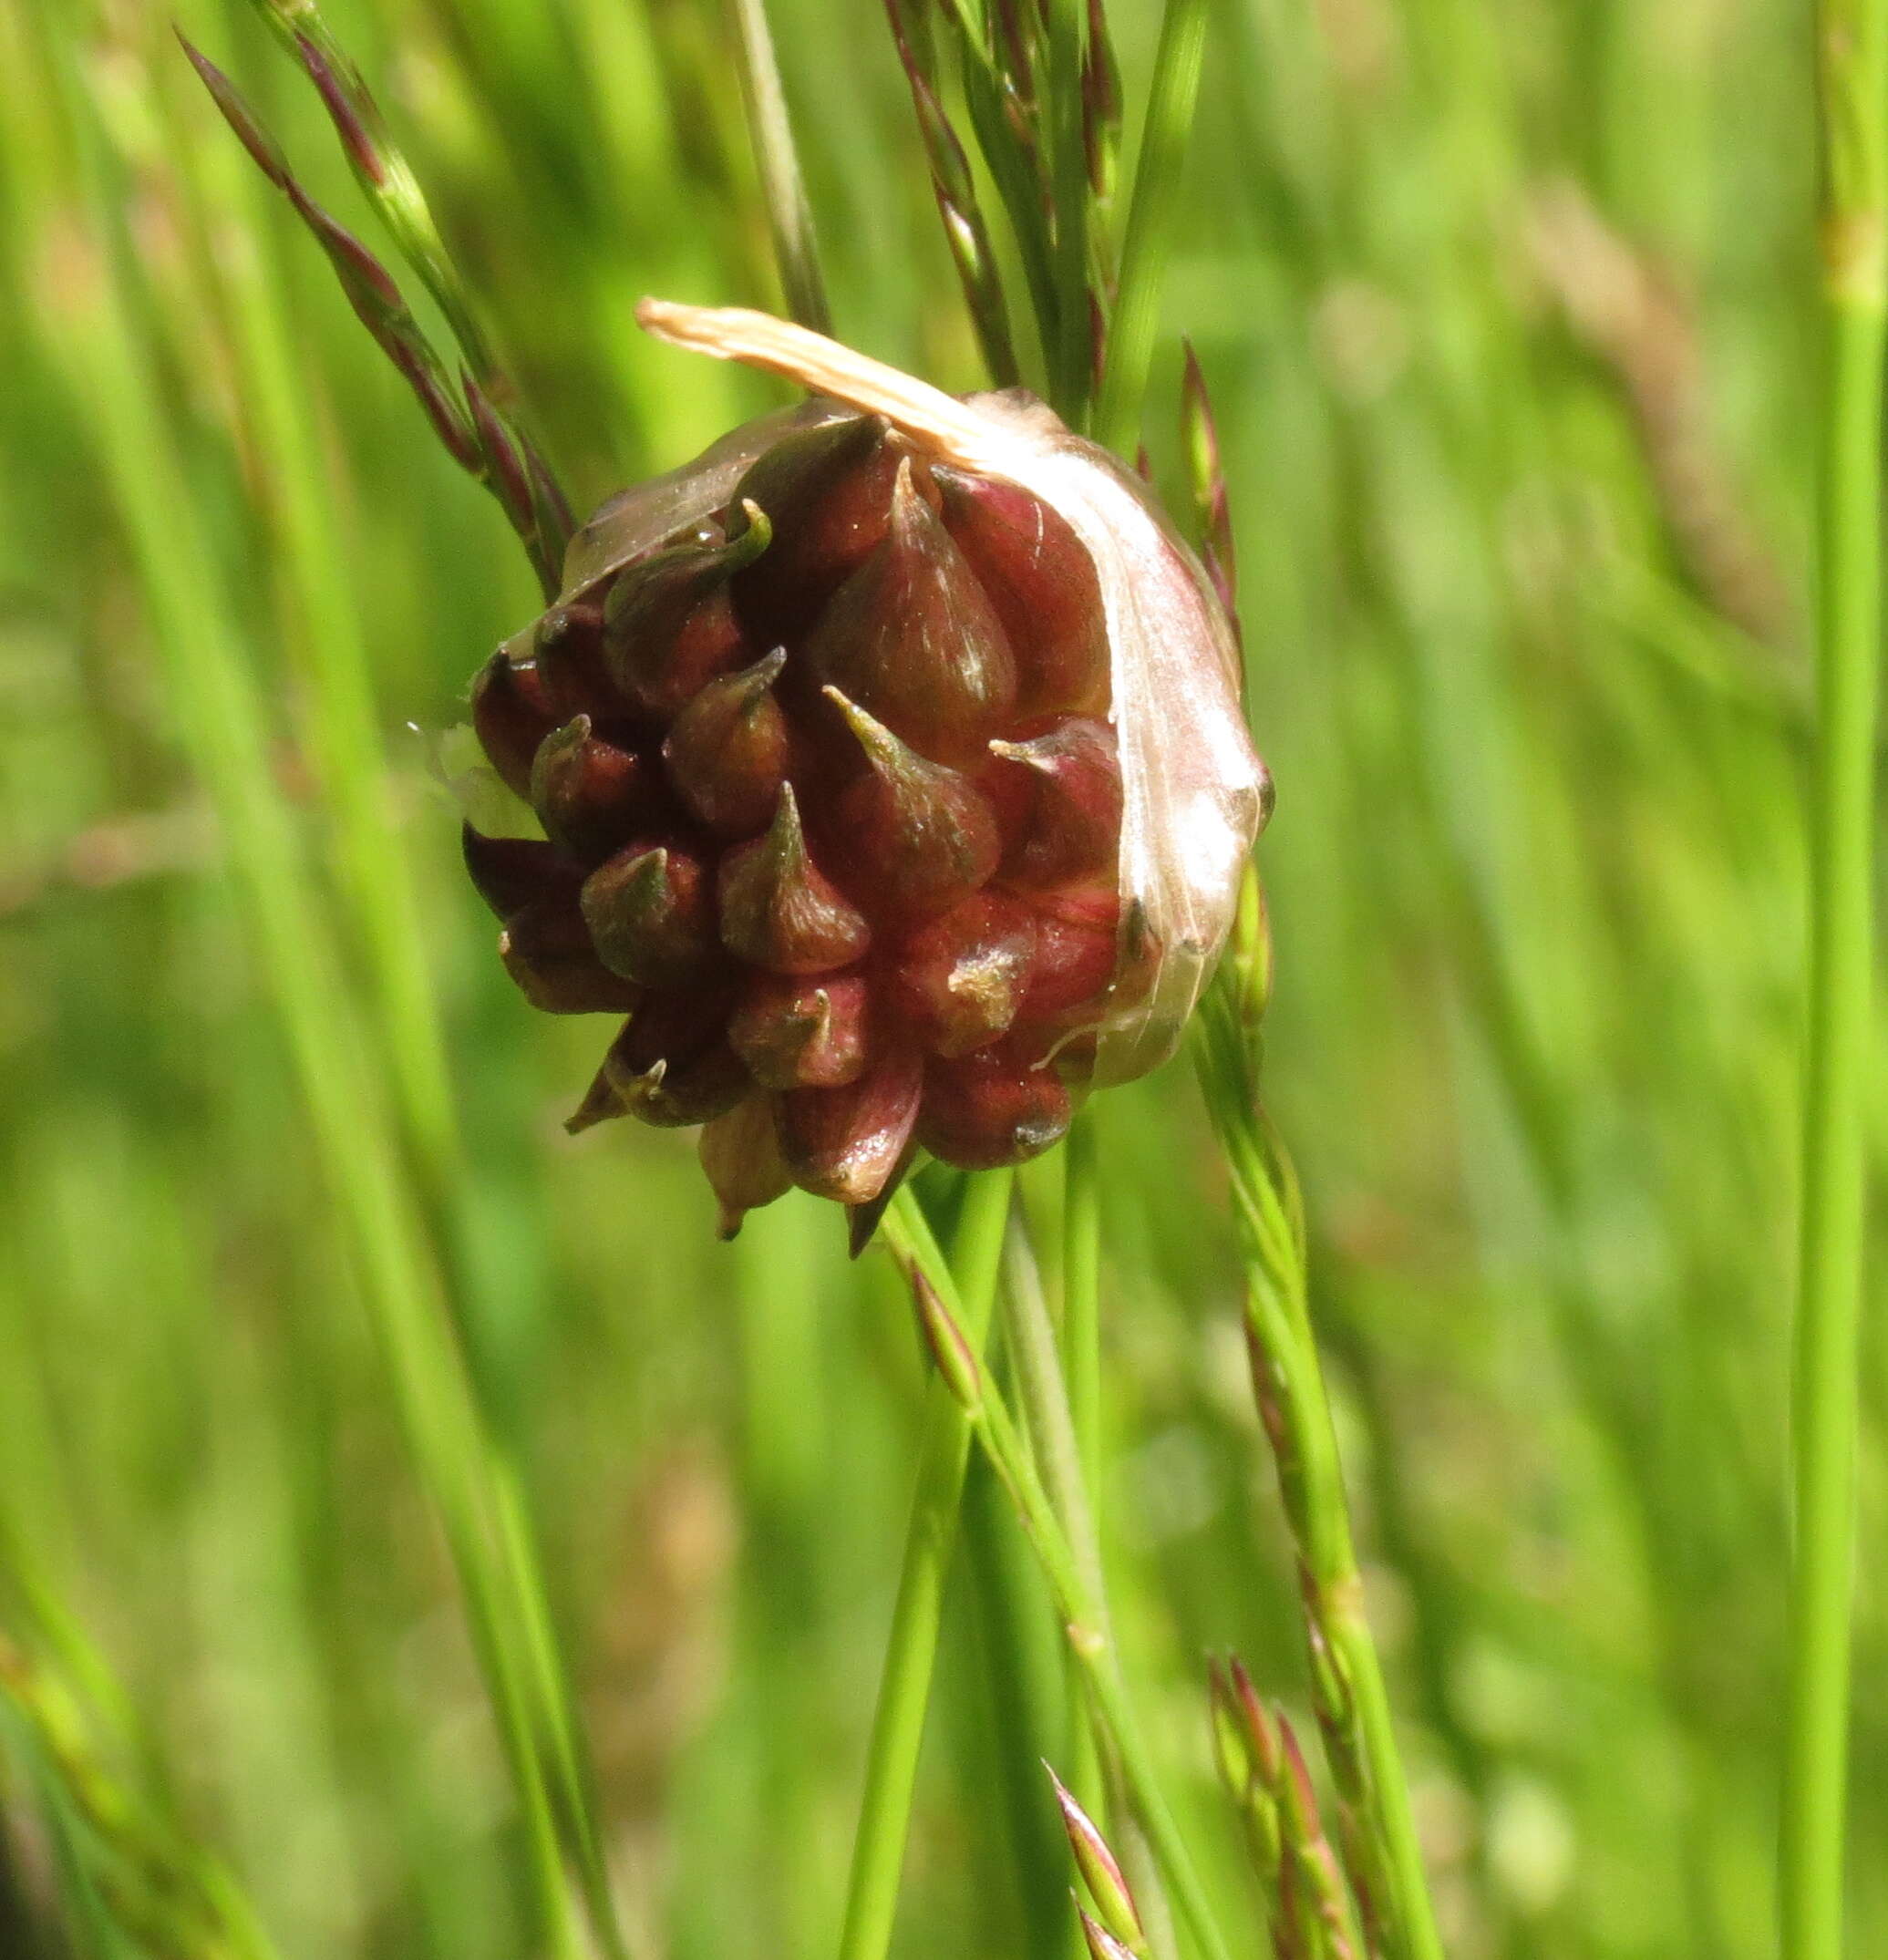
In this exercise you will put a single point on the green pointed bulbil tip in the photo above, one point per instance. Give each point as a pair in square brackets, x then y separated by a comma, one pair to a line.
[651, 916]
[803, 1033]
[920, 830]
[591, 795]
[670, 626]
[782, 912]
[1071, 828]
[726, 753]
[671, 1066]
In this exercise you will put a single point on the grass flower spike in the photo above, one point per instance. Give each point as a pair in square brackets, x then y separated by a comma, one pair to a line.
[891, 774]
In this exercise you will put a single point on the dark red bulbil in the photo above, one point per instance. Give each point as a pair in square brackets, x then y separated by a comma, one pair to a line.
[831, 808]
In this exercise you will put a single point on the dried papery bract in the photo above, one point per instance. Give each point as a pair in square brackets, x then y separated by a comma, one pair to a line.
[890, 775]
[1194, 792]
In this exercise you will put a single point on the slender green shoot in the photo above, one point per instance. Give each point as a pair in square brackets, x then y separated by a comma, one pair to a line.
[1056, 1446]
[1082, 1294]
[1853, 39]
[1082, 1611]
[911, 1648]
[777, 160]
[221, 716]
[1152, 203]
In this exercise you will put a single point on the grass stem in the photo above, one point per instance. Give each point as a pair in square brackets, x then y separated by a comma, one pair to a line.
[1853, 43]
[1079, 1604]
[777, 160]
[1171, 100]
[911, 1649]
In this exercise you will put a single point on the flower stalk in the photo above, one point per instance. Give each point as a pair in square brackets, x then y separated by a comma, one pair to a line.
[911, 1647]
[1852, 40]
[1083, 1614]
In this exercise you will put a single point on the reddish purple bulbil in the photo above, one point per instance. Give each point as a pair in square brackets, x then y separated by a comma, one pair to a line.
[831, 811]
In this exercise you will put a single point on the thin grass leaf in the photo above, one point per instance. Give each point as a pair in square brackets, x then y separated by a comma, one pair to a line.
[911, 1647]
[1083, 1614]
[221, 716]
[1172, 99]
[790, 217]
[1852, 44]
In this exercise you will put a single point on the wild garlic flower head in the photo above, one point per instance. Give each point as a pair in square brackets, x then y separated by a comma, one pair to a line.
[891, 777]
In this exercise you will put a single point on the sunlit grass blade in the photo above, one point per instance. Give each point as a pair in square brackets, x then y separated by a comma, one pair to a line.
[1172, 97]
[911, 1650]
[1082, 1611]
[1852, 37]
[777, 160]
[222, 723]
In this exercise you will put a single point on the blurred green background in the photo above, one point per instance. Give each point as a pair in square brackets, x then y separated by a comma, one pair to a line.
[1506, 312]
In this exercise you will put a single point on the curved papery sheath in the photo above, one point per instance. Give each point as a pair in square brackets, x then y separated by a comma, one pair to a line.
[1194, 789]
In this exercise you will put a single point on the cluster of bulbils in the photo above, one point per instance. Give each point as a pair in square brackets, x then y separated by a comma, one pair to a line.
[831, 807]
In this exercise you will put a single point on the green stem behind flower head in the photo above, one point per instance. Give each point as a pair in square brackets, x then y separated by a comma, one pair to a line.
[1073, 365]
[1853, 41]
[777, 160]
[1055, 1444]
[911, 1649]
[1081, 1293]
[1082, 1370]
[1157, 182]
[1080, 1605]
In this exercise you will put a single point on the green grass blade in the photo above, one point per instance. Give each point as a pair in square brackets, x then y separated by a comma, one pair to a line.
[1853, 40]
[1171, 100]
[911, 1649]
[790, 217]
